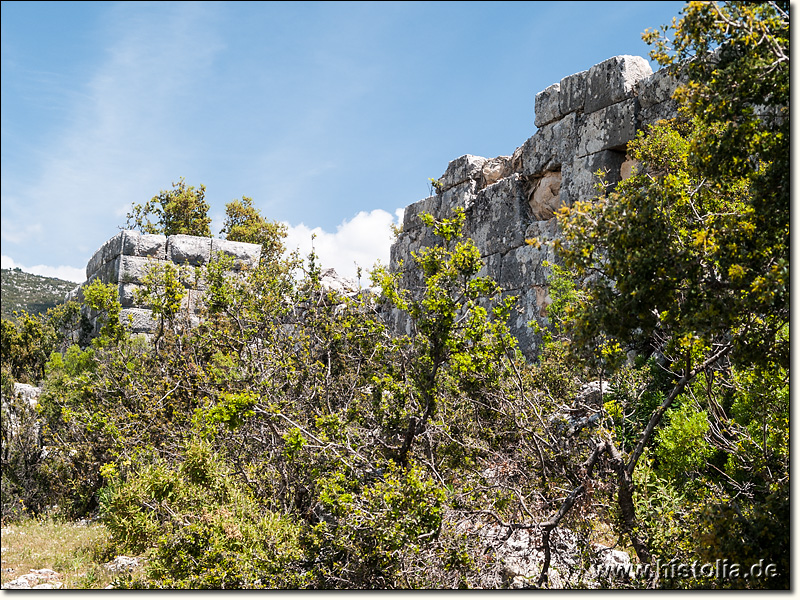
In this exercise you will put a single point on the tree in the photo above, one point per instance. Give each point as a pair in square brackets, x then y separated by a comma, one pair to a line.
[687, 261]
[181, 210]
[244, 223]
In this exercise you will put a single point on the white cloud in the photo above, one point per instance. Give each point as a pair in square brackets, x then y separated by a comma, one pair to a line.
[61, 272]
[362, 241]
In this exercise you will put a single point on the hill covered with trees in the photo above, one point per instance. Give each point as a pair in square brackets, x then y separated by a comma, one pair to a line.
[31, 293]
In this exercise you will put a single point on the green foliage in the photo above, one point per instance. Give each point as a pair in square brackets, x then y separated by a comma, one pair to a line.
[244, 223]
[181, 210]
[200, 529]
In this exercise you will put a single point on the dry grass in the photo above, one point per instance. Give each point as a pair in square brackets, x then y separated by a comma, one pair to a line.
[74, 550]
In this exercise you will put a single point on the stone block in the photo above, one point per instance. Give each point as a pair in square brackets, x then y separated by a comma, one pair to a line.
[430, 205]
[133, 269]
[657, 112]
[188, 249]
[656, 88]
[496, 220]
[107, 252]
[245, 256]
[127, 294]
[462, 169]
[610, 127]
[550, 147]
[572, 93]
[151, 245]
[546, 106]
[613, 80]
[138, 320]
[579, 179]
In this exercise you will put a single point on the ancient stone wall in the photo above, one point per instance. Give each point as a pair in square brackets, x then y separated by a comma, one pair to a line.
[126, 259]
[584, 123]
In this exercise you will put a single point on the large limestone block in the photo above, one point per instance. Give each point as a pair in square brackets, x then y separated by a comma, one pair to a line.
[138, 320]
[656, 88]
[550, 147]
[657, 112]
[579, 180]
[572, 92]
[440, 205]
[110, 250]
[245, 256]
[613, 80]
[545, 198]
[150, 245]
[462, 169]
[127, 294]
[546, 106]
[188, 249]
[430, 205]
[610, 127]
[496, 220]
[134, 269]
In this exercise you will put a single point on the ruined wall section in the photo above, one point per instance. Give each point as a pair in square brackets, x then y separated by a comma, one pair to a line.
[584, 124]
[126, 259]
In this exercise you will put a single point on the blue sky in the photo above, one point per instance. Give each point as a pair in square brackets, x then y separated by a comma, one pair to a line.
[331, 116]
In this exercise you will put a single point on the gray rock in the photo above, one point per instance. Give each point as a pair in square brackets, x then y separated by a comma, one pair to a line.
[572, 93]
[493, 220]
[656, 88]
[591, 394]
[611, 127]
[245, 256]
[613, 80]
[188, 249]
[550, 147]
[546, 106]
[462, 169]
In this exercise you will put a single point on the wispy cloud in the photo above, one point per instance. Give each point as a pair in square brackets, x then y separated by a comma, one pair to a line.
[119, 132]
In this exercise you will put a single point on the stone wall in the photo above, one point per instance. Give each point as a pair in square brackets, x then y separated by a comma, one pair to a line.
[584, 123]
[126, 258]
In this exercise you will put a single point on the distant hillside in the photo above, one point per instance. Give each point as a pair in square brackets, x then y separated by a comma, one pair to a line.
[35, 294]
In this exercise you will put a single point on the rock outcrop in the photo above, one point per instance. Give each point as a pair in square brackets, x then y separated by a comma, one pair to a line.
[584, 125]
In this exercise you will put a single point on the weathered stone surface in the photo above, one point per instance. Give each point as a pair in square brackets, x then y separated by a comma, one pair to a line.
[579, 180]
[550, 147]
[572, 92]
[134, 269]
[494, 217]
[628, 168]
[28, 393]
[122, 564]
[461, 169]
[613, 80]
[546, 106]
[610, 127]
[127, 294]
[244, 255]
[138, 320]
[656, 88]
[545, 199]
[494, 170]
[188, 249]
[110, 250]
[657, 112]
